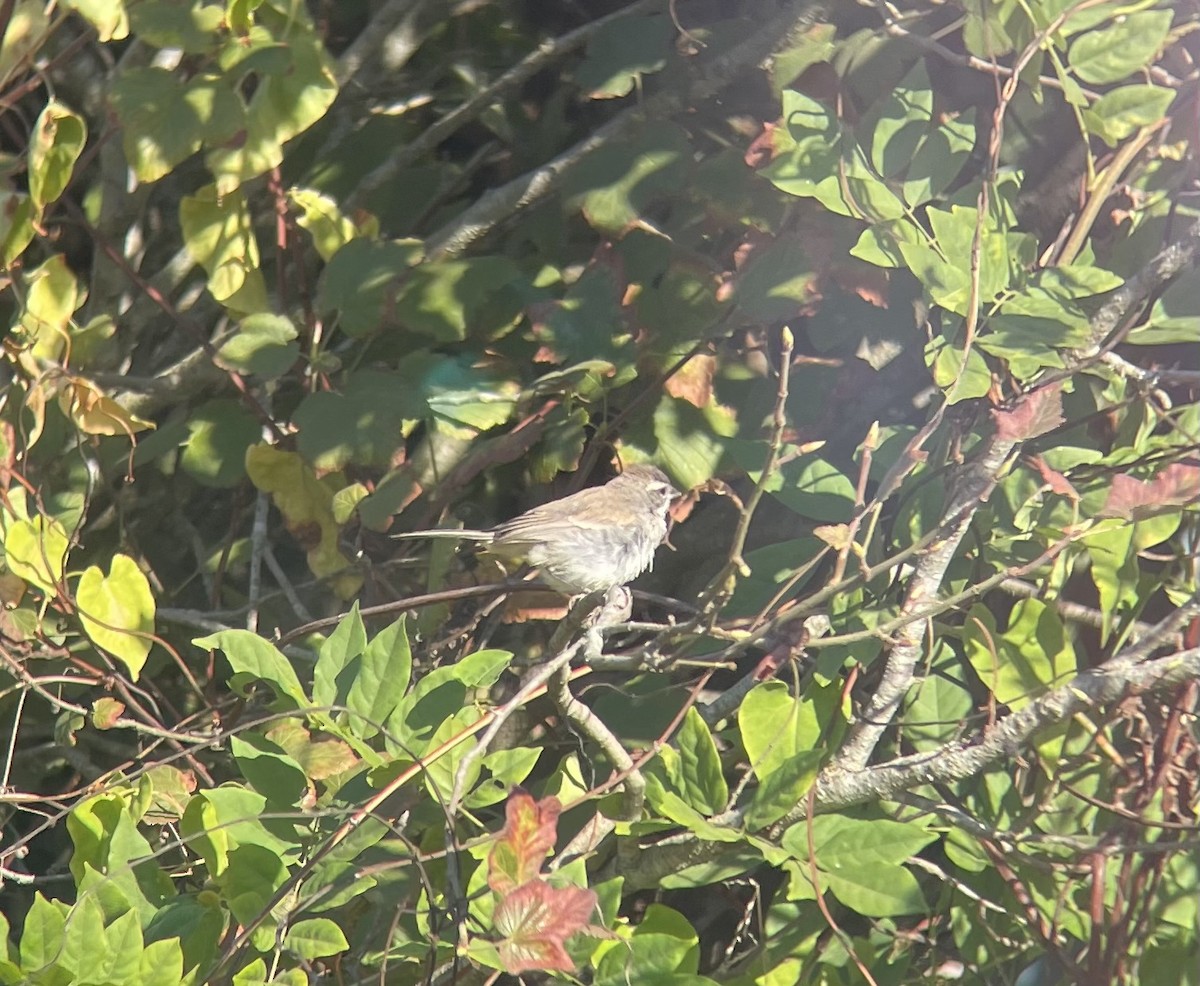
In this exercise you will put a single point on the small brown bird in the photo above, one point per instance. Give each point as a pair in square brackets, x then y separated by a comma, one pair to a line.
[589, 541]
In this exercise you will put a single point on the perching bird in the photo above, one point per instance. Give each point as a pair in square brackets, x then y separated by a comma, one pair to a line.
[589, 541]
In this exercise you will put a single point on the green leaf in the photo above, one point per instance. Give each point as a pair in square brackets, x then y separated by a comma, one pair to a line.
[360, 281]
[57, 141]
[816, 490]
[1124, 45]
[616, 184]
[320, 215]
[117, 611]
[702, 782]
[315, 938]
[1114, 571]
[219, 233]
[382, 679]
[219, 433]
[36, 551]
[621, 52]
[193, 27]
[945, 360]
[108, 17]
[779, 283]
[340, 650]
[1174, 316]
[684, 439]
[663, 943]
[1122, 112]
[1033, 654]
[291, 94]
[161, 963]
[783, 789]
[52, 294]
[42, 936]
[165, 120]
[268, 769]
[264, 345]
[254, 659]
[776, 728]
[442, 299]
[83, 944]
[123, 946]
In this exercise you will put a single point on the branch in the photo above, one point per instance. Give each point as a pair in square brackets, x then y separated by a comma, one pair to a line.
[975, 485]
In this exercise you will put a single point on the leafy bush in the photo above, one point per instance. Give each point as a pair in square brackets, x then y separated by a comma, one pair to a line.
[904, 298]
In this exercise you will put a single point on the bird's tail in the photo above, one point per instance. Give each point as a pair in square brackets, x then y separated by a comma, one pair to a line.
[446, 533]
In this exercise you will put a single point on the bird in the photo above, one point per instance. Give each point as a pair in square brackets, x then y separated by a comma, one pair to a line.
[591, 541]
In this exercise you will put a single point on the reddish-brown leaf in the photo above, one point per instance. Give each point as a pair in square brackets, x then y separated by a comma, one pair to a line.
[1133, 499]
[694, 380]
[535, 920]
[1036, 413]
[527, 838]
[1054, 479]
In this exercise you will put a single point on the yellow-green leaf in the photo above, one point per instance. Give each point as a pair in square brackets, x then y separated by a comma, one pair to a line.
[117, 611]
[36, 550]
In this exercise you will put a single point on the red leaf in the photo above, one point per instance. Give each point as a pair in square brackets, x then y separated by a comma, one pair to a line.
[1134, 499]
[526, 840]
[535, 920]
[1057, 482]
[1036, 413]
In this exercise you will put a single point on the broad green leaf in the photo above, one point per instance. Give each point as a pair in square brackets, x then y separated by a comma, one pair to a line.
[1124, 45]
[42, 935]
[264, 345]
[779, 284]
[776, 727]
[945, 360]
[219, 434]
[360, 281]
[816, 490]
[1033, 654]
[268, 769]
[446, 299]
[250, 880]
[52, 294]
[193, 27]
[320, 215]
[219, 233]
[1121, 112]
[291, 94]
[702, 782]
[1173, 318]
[684, 439]
[161, 963]
[83, 945]
[339, 651]
[108, 17]
[36, 551]
[219, 820]
[315, 938]
[1114, 572]
[117, 611]
[622, 52]
[254, 659]
[165, 120]
[58, 138]
[123, 946]
[307, 507]
[381, 681]
[879, 891]
[664, 943]
[783, 789]
[616, 184]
